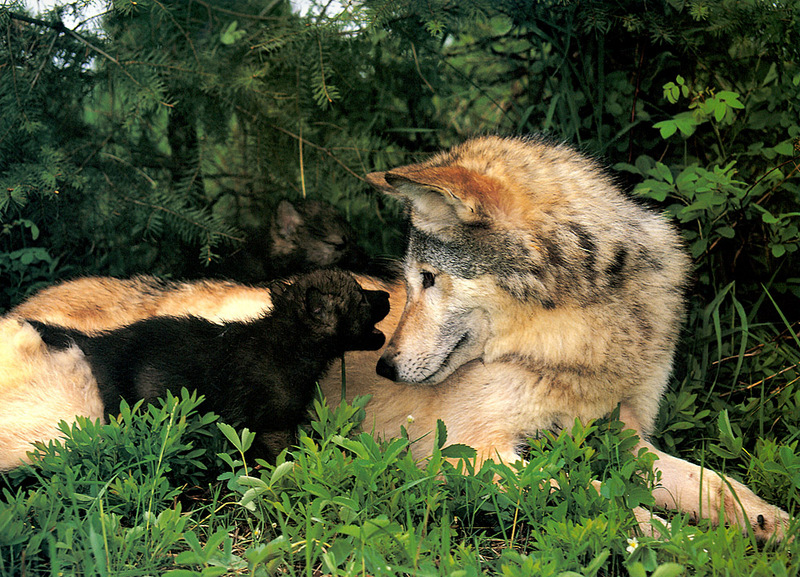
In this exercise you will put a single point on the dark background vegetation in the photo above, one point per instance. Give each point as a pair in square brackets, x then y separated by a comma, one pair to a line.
[151, 142]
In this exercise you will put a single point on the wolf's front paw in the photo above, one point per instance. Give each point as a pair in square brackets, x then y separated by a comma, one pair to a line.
[771, 524]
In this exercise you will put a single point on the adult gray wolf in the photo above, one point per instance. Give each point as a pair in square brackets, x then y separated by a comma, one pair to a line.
[536, 292]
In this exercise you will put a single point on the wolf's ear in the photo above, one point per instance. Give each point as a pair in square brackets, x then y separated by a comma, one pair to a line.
[378, 181]
[439, 196]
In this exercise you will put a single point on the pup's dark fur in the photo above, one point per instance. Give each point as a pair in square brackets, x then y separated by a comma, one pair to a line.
[300, 236]
[260, 374]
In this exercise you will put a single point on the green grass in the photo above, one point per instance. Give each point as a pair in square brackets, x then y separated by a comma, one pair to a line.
[165, 490]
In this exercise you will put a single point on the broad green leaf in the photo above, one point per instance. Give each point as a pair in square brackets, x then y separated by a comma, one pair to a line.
[668, 570]
[667, 128]
[458, 451]
[786, 148]
[726, 232]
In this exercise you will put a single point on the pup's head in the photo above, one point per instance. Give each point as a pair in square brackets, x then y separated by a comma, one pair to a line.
[331, 307]
[308, 234]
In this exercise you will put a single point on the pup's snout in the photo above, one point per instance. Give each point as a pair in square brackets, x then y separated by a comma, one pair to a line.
[387, 368]
[379, 303]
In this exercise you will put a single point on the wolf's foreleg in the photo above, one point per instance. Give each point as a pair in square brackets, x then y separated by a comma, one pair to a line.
[702, 492]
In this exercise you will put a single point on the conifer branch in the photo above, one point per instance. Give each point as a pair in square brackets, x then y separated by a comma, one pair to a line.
[195, 222]
[319, 148]
[212, 7]
[179, 27]
[62, 29]
[324, 82]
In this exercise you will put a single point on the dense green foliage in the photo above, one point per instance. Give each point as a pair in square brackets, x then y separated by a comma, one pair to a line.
[151, 143]
[122, 499]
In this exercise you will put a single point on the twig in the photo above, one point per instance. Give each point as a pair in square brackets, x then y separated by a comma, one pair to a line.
[419, 70]
[320, 148]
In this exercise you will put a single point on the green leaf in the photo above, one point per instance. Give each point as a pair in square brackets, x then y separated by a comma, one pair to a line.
[668, 570]
[667, 128]
[686, 123]
[241, 443]
[726, 232]
[613, 487]
[281, 471]
[719, 111]
[731, 99]
[726, 436]
[767, 217]
[778, 250]
[354, 446]
[654, 189]
[458, 451]
[231, 35]
[597, 563]
[672, 92]
[441, 434]
[786, 148]
[663, 172]
[699, 247]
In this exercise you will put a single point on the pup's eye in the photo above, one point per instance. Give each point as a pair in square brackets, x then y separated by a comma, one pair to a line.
[428, 279]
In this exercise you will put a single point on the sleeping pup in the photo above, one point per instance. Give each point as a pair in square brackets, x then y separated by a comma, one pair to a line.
[259, 374]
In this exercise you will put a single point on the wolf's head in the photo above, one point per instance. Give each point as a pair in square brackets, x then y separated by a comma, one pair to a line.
[445, 322]
[511, 240]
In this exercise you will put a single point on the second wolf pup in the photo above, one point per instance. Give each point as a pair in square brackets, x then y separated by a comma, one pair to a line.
[259, 374]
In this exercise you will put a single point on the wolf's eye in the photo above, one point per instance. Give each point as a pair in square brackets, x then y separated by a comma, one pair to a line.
[428, 279]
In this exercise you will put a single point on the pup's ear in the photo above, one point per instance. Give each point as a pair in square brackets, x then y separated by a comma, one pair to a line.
[439, 196]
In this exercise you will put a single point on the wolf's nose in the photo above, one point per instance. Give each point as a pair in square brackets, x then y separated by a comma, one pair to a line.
[386, 369]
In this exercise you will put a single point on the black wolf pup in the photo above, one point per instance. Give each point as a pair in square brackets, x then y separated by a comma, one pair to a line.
[259, 374]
